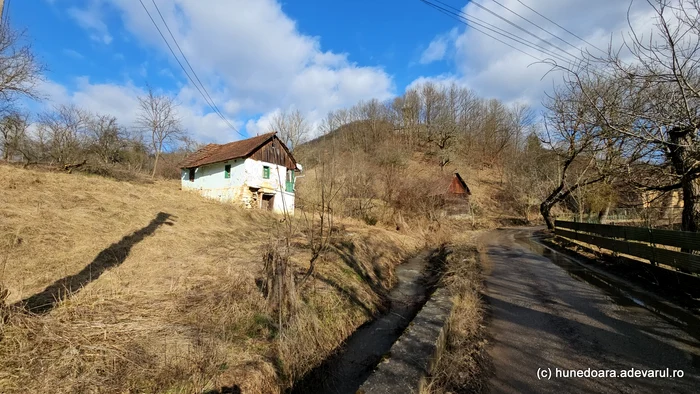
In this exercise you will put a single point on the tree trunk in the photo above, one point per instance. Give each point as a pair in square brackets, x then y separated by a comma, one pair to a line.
[546, 211]
[580, 213]
[691, 204]
[548, 203]
[155, 165]
[558, 195]
[681, 139]
[603, 214]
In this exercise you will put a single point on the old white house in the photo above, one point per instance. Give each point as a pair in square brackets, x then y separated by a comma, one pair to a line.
[258, 172]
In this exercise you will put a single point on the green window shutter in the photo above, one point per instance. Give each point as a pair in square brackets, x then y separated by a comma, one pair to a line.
[227, 171]
[266, 172]
[290, 181]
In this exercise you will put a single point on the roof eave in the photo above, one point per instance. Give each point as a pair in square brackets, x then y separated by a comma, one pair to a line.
[214, 162]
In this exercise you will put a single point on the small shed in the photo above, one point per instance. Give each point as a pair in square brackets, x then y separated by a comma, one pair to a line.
[451, 187]
[458, 188]
[452, 194]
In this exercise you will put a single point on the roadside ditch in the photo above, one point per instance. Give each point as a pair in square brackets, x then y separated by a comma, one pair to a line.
[354, 361]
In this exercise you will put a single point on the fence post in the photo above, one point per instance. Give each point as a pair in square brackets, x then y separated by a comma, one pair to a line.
[653, 247]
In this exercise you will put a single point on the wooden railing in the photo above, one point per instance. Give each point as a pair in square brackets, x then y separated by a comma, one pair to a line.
[646, 243]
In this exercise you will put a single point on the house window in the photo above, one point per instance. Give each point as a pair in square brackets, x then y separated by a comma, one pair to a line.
[266, 172]
[227, 171]
[192, 174]
[290, 181]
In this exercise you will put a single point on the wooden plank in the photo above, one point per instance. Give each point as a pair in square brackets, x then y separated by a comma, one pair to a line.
[680, 239]
[563, 224]
[686, 261]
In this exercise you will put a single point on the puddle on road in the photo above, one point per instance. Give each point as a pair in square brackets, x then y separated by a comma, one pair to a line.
[620, 293]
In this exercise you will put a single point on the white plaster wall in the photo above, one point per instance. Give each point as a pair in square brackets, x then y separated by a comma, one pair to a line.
[211, 182]
[284, 201]
[276, 183]
[254, 171]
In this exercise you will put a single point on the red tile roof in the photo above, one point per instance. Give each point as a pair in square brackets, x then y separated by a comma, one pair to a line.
[214, 153]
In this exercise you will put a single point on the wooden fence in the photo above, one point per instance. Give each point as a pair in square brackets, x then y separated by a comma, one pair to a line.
[646, 243]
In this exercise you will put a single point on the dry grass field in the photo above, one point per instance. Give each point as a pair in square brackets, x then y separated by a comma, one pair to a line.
[140, 287]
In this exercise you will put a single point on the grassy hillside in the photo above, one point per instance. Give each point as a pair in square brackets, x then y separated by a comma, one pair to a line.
[391, 182]
[141, 287]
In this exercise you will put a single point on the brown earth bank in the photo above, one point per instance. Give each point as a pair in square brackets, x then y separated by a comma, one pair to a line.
[131, 287]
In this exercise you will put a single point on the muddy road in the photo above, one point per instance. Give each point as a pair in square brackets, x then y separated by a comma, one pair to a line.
[548, 314]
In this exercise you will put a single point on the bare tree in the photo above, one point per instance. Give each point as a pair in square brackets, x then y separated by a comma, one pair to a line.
[531, 175]
[63, 134]
[13, 134]
[333, 121]
[190, 145]
[108, 139]
[19, 70]
[587, 153]
[159, 121]
[659, 96]
[291, 127]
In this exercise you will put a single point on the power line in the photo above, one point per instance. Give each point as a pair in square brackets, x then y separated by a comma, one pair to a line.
[560, 26]
[536, 25]
[468, 20]
[6, 12]
[472, 21]
[491, 27]
[462, 19]
[216, 108]
[207, 97]
[521, 28]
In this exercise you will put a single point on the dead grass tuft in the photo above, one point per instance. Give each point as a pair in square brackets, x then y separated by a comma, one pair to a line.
[463, 364]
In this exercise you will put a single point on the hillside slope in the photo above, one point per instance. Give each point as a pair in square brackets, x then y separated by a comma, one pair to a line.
[163, 289]
[389, 181]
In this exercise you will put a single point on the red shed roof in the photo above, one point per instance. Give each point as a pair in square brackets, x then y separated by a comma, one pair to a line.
[458, 186]
[214, 153]
[450, 185]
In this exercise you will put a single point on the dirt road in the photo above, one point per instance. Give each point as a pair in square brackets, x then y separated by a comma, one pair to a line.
[544, 316]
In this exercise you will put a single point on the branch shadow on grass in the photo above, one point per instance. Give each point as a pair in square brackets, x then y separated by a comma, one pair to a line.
[346, 251]
[113, 256]
[349, 294]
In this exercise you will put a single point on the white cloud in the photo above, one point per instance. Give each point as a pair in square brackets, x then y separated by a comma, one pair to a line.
[261, 125]
[438, 48]
[494, 69]
[90, 18]
[435, 51]
[121, 101]
[443, 80]
[250, 56]
[73, 53]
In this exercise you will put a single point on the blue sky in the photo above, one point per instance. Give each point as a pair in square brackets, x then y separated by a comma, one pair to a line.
[257, 57]
[385, 34]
